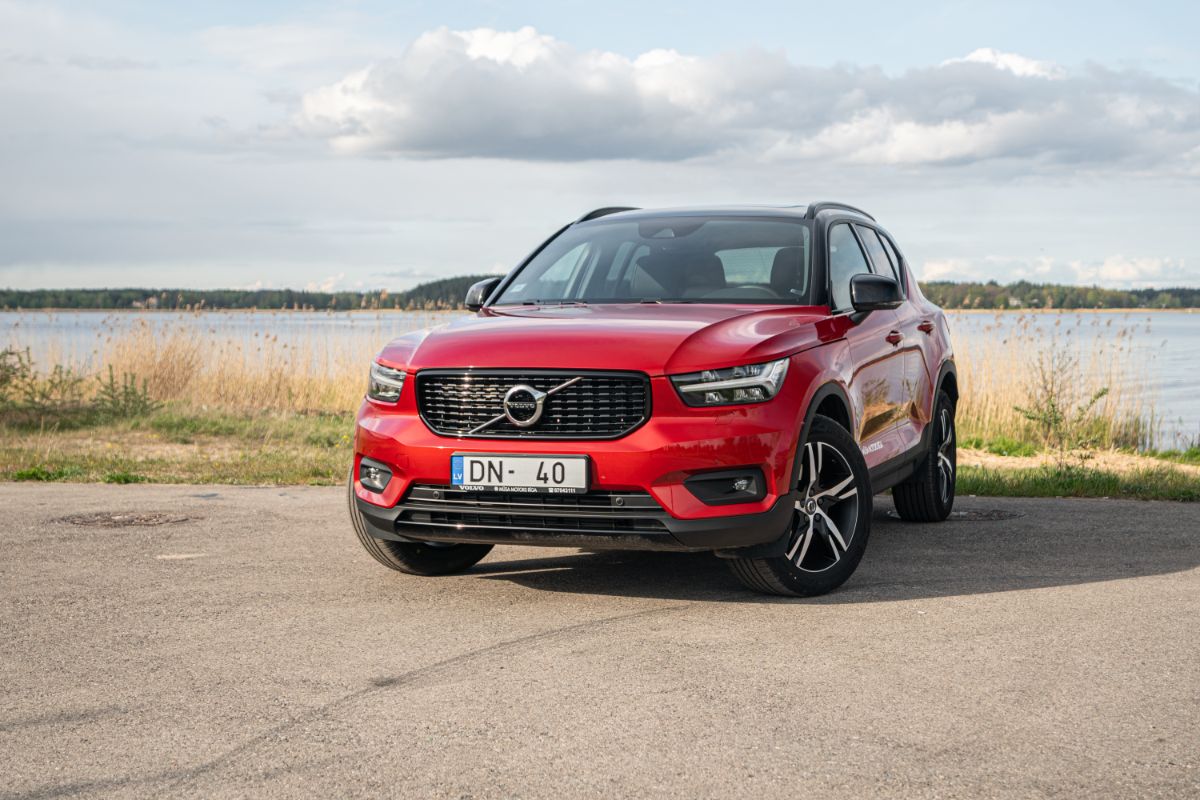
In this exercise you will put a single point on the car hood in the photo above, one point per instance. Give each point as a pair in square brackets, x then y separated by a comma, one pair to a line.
[653, 338]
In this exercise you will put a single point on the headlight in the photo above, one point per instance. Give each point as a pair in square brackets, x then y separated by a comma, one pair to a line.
[735, 385]
[385, 383]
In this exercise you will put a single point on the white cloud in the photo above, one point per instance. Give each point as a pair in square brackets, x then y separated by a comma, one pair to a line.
[328, 284]
[528, 96]
[1011, 62]
[1120, 270]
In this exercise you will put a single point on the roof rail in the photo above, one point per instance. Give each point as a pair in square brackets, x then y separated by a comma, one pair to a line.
[817, 208]
[604, 212]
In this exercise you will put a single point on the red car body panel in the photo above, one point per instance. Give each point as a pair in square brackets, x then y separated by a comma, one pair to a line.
[678, 440]
[651, 338]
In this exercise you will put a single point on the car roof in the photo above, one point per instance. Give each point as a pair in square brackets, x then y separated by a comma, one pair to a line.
[775, 211]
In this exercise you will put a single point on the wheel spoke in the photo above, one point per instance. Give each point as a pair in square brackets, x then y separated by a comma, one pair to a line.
[833, 546]
[835, 489]
[833, 531]
[945, 464]
[812, 469]
[801, 543]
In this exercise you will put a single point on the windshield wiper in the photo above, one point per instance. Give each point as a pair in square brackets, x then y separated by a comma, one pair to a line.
[553, 303]
[662, 301]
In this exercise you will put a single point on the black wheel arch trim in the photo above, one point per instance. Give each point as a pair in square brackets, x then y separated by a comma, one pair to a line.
[947, 370]
[827, 390]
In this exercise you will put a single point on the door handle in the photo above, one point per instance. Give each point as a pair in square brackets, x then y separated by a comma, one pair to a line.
[925, 327]
[894, 337]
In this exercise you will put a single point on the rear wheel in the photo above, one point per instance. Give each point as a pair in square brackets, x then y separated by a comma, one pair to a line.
[928, 495]
[415, 558]
[830, 524]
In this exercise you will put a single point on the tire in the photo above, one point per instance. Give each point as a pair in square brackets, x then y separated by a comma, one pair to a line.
[928, 494]
[415, 558]
[830, 525]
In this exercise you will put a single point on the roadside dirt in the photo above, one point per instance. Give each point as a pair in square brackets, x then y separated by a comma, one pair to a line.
[1111, 461]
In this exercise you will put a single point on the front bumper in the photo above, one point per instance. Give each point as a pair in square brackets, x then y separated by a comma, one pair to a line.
[440, 514]
[648, 467]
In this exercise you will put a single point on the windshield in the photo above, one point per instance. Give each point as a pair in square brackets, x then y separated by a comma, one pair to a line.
[670, 260]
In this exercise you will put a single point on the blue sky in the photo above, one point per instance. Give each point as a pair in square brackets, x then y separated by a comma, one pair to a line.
[358, 144]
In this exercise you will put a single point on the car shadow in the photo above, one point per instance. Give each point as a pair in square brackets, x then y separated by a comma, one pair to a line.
[992, 545]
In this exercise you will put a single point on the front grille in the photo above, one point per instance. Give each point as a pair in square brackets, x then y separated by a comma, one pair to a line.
[597, 512]
[603, 405]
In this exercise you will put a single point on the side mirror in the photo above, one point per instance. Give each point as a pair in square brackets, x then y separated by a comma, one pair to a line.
[479, 292]
[870, 292]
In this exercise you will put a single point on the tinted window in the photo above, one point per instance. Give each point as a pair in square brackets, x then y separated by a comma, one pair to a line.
[673, 259]
[846, 260]
[879, 257]
[894, 256]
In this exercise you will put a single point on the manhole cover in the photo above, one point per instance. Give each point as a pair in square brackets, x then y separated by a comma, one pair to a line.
[123, 520]
[976, 515]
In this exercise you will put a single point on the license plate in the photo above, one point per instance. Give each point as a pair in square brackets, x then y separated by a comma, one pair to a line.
[520, 473]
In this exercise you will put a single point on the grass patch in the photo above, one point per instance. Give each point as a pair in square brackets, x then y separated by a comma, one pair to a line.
[1189, 456]
[186, 426]
[1155, 483]
[125, 477]
[183, 445]
[1001, 446]
[41, 473]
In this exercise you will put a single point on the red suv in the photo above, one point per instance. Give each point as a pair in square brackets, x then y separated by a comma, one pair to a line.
[740, 380]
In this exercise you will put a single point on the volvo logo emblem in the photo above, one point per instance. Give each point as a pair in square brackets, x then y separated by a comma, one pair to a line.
[523, 405]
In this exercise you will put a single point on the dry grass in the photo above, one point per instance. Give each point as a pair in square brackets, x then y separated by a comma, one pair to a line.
[239, 406]
[211, 368]
[311, 373]
[998, 369]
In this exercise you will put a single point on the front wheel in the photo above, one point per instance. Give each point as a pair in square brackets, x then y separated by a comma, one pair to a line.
[831, 522]
[415, 558]
[928, 494]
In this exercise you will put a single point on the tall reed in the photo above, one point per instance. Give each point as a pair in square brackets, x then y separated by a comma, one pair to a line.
[999, 362]
[248, 368]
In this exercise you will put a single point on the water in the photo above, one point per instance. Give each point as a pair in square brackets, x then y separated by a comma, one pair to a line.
[80, 337]
[1162, 345]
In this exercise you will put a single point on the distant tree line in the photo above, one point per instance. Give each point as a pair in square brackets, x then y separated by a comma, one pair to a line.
[443, 294]
[449, 293]
[1024, 294]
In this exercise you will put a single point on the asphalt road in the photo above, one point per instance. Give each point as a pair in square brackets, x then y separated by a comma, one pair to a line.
[253, 649]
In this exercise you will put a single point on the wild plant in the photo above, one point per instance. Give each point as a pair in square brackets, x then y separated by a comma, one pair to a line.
[1062, 412]
[124, 397]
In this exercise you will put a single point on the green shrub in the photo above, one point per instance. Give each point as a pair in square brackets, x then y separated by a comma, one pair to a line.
[1064, 417]
[124, 398]
[124, 477]
[40, 473]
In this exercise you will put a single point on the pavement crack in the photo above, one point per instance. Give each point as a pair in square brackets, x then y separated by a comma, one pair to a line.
[405, 679]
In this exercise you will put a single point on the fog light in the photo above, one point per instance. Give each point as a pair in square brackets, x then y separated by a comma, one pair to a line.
[728, 486]
[373, 475]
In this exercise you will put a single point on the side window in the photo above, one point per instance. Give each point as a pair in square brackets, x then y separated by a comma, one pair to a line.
[879, 257]
[846, 260]
[895, 257]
